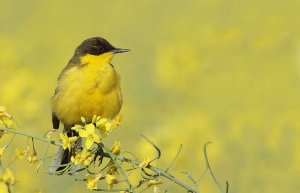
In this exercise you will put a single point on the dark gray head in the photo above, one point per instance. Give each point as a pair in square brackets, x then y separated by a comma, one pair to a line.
[97, 46]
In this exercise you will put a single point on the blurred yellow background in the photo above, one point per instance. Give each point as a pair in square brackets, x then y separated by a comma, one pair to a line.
[199, 71]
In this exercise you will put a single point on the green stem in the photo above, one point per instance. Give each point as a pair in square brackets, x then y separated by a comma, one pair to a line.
[114, 158]
[172, 178]
[108, 154]
[18, 132]
[158, 171]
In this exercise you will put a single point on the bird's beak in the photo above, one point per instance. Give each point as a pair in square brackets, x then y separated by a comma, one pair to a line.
[120, 50]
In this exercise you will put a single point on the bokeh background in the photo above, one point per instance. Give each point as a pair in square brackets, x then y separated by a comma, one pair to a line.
[199, 71]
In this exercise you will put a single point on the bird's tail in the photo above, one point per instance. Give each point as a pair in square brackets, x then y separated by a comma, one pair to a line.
[62, 157]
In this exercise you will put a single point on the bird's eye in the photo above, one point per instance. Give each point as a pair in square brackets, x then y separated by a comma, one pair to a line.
[101, 48]
[95, 48]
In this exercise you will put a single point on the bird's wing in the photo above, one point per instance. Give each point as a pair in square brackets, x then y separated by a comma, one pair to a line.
[55, 121]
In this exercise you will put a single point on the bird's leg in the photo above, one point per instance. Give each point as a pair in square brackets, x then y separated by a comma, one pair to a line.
[99, 154]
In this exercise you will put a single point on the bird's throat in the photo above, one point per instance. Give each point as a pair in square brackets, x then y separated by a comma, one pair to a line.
[101, 59]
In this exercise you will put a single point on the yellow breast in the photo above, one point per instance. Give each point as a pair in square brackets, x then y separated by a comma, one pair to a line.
[92, 88]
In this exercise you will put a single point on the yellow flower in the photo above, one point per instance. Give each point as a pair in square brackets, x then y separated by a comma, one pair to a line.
[32, 158]
[77, 128]
[1, 132]
[8, 177]
[95, 118]
[91, 181]
[9, 123]
[84, 157]
[117, 121]
[4, 114]
[6, 120]
[111, 180]
[82, 119]
[67, 141]
[19, 154]
[154, 182]
[156, 190]
[2, 149]
[104, 126]
[112, 169]
[100, 122]
[90, 135]
[144, 163]
[3, 187]
[116, 148]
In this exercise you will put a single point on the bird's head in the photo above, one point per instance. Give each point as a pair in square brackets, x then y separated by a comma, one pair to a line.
[97, 48]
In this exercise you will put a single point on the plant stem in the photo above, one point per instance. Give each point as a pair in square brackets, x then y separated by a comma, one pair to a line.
[158, 171]
[113, 157]
[18, 132]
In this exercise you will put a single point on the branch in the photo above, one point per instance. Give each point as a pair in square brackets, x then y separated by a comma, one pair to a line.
[111, 155]
[18, 132]
[134, 162]
[157, 171]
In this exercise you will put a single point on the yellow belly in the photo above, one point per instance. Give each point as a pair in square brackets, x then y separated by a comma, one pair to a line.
[70, 106]
[85, 92]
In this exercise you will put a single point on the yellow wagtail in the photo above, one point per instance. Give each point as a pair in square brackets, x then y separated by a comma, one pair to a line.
[89, 85]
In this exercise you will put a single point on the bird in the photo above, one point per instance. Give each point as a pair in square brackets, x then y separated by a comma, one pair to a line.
[88, 85]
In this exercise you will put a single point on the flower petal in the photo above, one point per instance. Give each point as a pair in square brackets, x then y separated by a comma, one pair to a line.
[90, 128]
[62, 136]
[96, 138]
[88, 143]
[77, 127]
[82, 133]
[73, 139]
